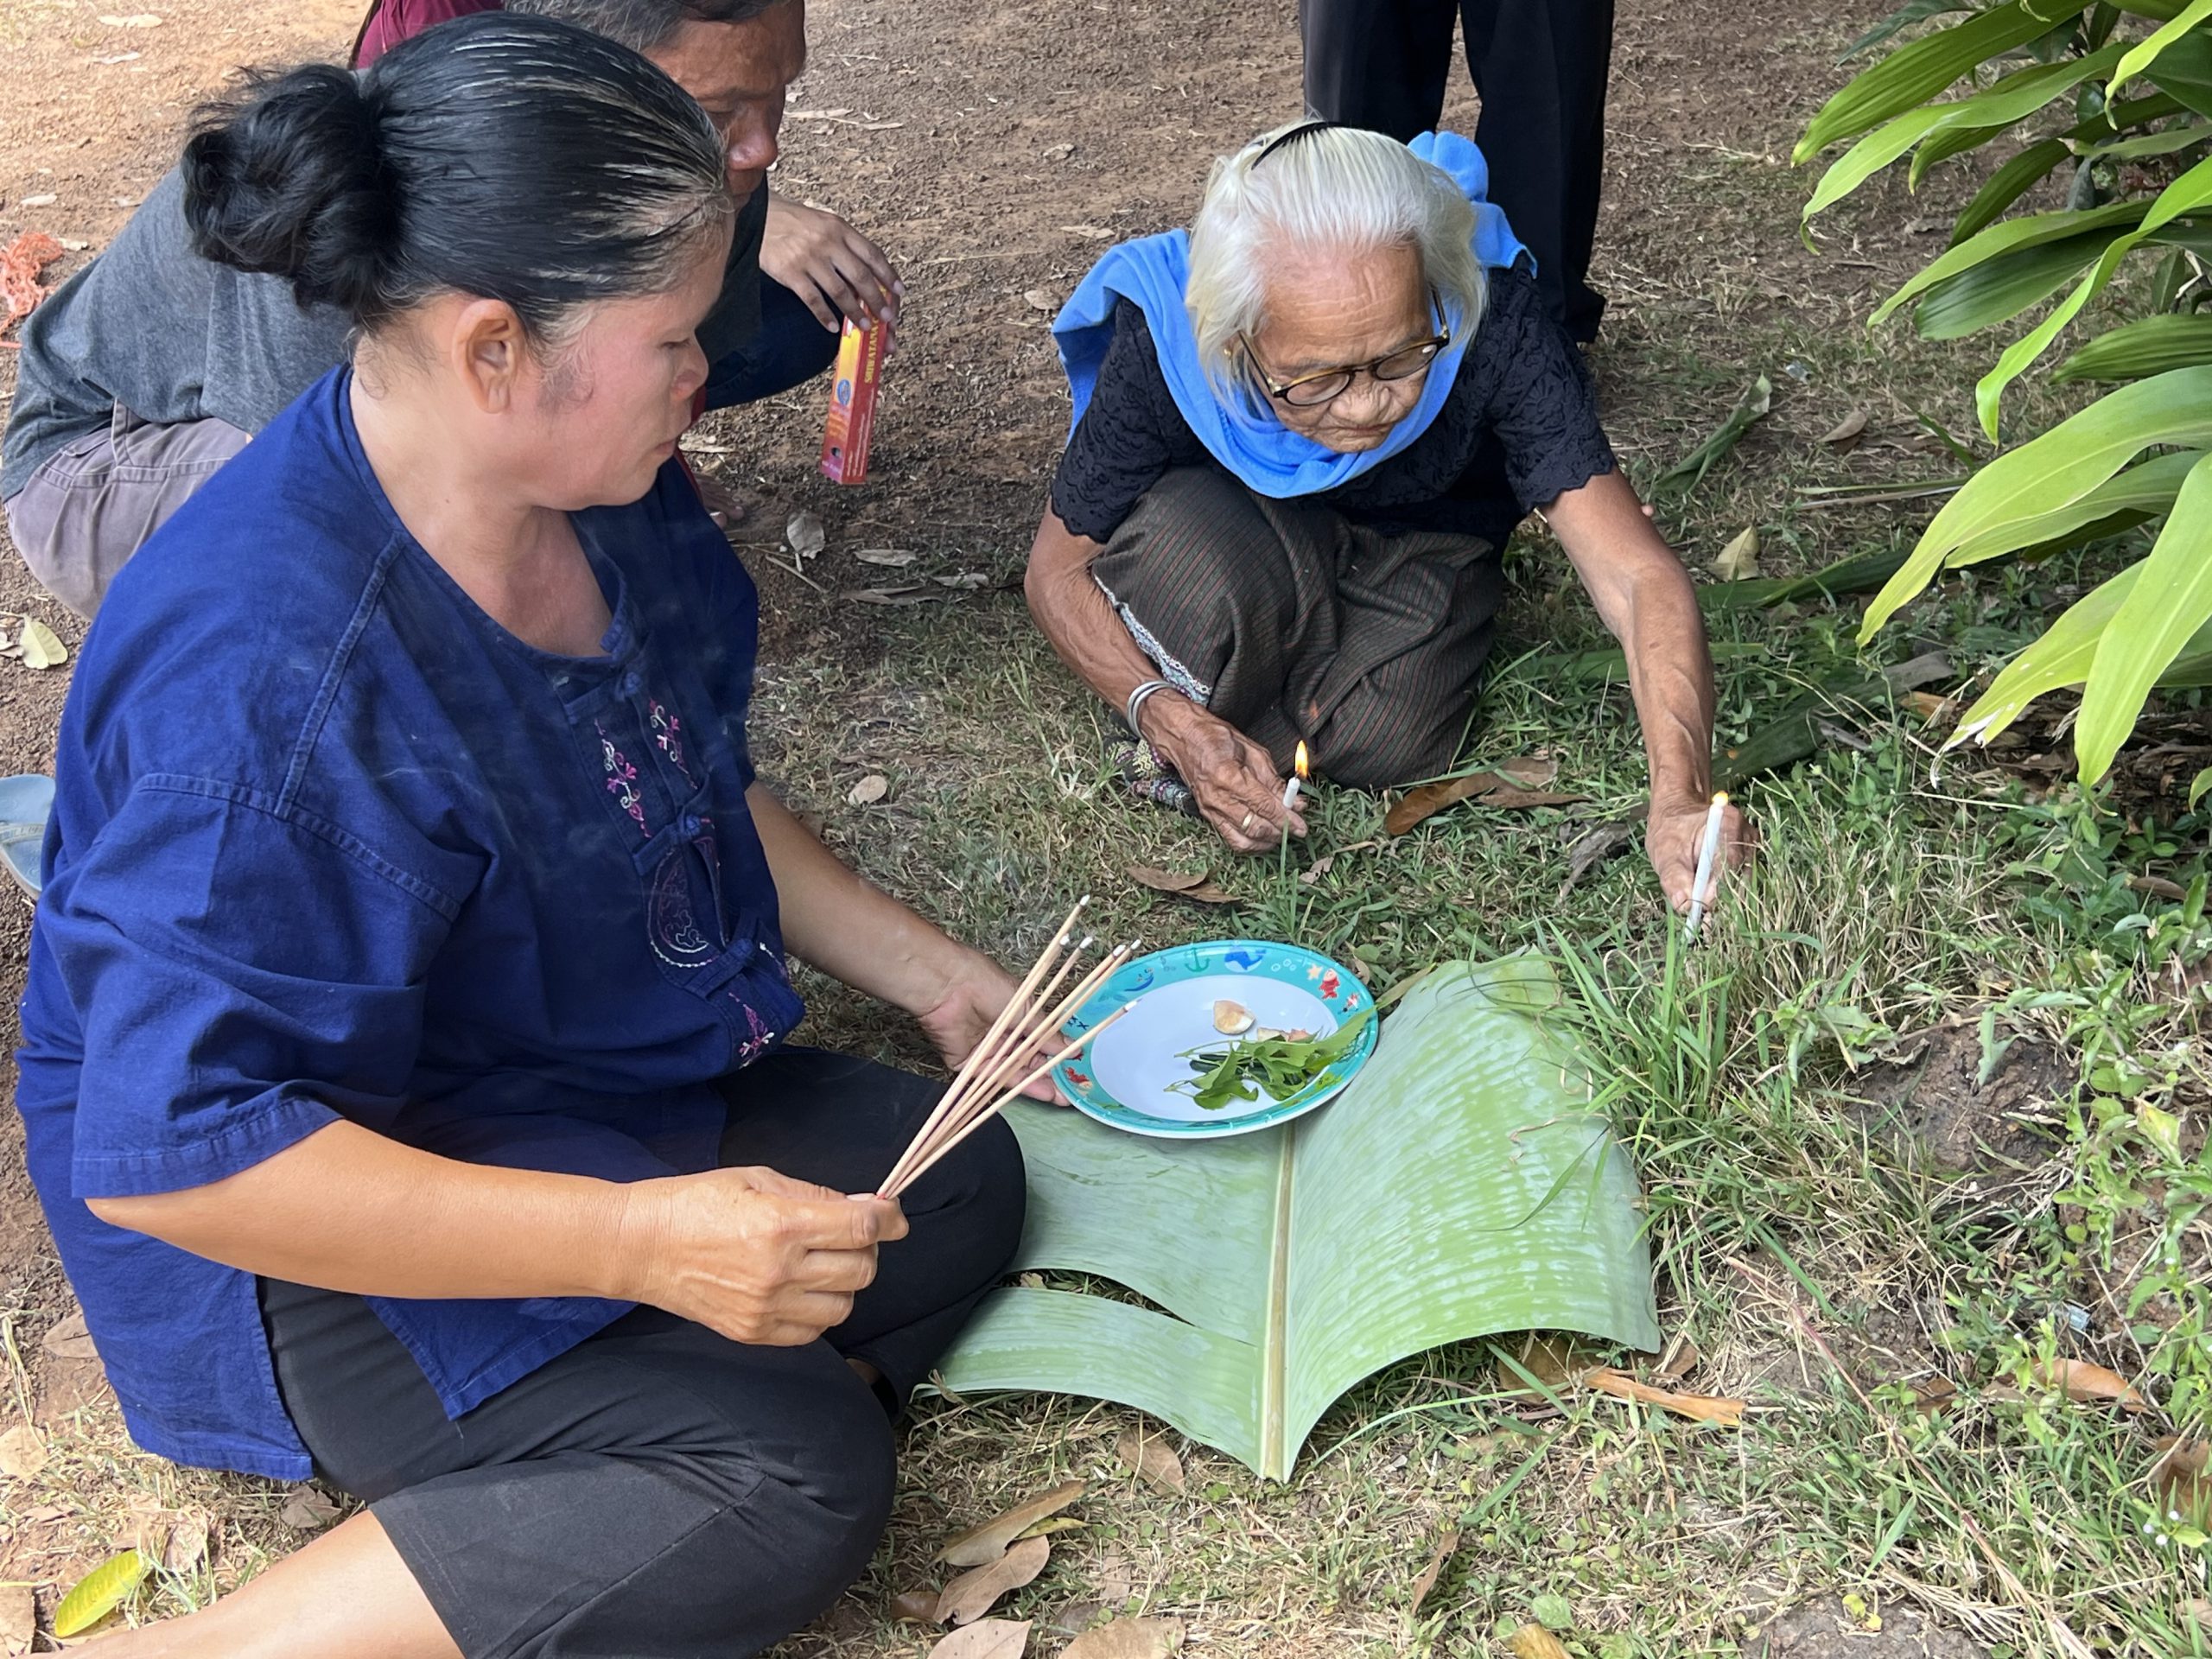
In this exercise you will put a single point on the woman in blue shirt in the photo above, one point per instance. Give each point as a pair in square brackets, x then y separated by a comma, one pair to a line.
[401, 1063]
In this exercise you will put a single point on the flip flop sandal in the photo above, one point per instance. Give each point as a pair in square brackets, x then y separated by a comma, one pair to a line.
[25, 802]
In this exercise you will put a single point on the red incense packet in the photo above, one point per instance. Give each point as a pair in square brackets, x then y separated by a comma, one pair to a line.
[853, 390]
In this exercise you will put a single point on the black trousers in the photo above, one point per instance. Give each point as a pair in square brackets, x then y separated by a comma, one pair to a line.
[659, 1491]
[1539, 67]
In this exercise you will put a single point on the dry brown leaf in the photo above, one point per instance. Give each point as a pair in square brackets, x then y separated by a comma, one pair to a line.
[2089, 1384]
[805, 534]
[819, 115]
[2180, 1480]
[146, 1530]
[1510, 783]
[987, 1543]
[987, 1638]
[1679, 1360]
[1846, 432]
[1160, 881]
[18, 1619]
[1040, 299]
[914, 1607]
[1096, 232]
[894, 557]
[2198, 1611]
[1534, 1642]
[1550, 1358]
[1931, 1394]
[1446, 1543]
[974, 1593]
[1319, 868]
[69, 1339]
[308, 1510]
[1128, 1639]
[913, 593]
[870, 789]
[1739, 560]
[187, 1544]
[22, 1452]
[1058, 152]
[1151, 1458]
[1705, 1408]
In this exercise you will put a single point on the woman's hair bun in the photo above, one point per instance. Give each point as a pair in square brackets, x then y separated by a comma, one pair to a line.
[290, 180]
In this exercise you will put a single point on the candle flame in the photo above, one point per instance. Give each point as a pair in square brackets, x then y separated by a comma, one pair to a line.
[1303, 768]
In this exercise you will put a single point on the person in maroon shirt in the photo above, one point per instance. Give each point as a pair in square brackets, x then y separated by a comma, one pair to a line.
[737, 57]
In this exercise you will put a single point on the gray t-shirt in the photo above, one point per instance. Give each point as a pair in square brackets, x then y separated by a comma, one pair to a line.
[171, 336]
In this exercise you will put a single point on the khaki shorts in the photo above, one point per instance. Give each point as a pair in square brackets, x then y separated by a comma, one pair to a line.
[96, 501]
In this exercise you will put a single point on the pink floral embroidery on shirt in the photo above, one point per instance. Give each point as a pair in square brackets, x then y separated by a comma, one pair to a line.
[668, 732]
[621, 779]
[763, 1034]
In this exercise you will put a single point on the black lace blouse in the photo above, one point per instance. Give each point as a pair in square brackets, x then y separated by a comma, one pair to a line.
[1519, 428]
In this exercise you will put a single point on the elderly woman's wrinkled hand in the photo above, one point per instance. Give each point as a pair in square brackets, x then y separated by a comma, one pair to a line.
[1239, 792]
[830, 265]
[1674, 834]
[752, 1255]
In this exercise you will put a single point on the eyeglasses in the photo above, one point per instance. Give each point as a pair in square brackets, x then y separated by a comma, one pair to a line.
[1311, 391]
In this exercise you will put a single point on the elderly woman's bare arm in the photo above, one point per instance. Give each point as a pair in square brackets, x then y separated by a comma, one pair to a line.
[1644, 597]
[1238, 787]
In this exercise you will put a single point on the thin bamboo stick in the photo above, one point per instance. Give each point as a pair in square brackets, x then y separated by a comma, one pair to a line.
[1013, 1009]
[1003, 1101]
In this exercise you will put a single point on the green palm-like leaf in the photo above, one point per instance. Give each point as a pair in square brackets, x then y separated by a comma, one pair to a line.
[2146, 52]
[2007, 186]
[2060, 467]
[2171, 600]
[2139, 493]
[2013, 236]
[2137, 350]
[101, 1591]
[1917, 72]
[1460, 1187]
[1999, 290]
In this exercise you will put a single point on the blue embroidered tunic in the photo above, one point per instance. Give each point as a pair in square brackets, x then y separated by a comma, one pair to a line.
[330, 842]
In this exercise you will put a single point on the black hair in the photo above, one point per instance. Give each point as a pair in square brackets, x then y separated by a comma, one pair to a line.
[516, 158]
[644, 24]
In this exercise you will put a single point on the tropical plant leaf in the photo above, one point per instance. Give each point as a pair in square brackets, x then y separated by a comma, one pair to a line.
[1751, 407]
[2033, 230]
[2171, 600]
[2145, 53]
[2007, 186]
[1924, 68]
[2183, 72]
[2002, 289]
[2146, 144]
[2138, 350]
[2062, 465]
[1460, 1187]
[1913, 11]
[2142, 490]
[2198, 787]
[100, 1592]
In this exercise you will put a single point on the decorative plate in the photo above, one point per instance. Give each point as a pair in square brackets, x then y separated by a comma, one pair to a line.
[1126, 1077]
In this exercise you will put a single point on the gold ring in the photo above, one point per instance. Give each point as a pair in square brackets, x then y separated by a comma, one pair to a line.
[1247, 825]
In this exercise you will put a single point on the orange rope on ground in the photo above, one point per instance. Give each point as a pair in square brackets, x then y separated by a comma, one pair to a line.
[21, 262]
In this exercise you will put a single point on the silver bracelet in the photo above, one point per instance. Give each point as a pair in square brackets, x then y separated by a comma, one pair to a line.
[1137, 699]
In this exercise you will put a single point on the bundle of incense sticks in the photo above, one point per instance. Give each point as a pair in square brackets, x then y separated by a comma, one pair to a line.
[1005, 1064]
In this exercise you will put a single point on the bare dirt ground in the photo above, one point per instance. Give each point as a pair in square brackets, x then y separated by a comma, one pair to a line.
[994, 149]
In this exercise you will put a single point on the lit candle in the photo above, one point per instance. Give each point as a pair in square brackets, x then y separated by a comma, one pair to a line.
[1300, 771]
[1706, 854]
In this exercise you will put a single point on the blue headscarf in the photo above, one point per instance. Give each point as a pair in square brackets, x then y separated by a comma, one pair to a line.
[1151, 273]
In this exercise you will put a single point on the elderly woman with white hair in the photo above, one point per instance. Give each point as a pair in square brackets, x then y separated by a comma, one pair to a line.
[1304, 431]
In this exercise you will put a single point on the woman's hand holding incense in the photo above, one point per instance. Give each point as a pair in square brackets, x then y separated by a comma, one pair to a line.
[974, 994]
[1672, 835]
[751, 1254]
[830, 265]
[1239, 792]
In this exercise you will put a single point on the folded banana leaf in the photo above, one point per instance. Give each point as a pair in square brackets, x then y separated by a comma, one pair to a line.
[1459, 1187]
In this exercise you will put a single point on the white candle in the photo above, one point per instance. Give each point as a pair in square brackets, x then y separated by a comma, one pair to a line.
[1705, 855]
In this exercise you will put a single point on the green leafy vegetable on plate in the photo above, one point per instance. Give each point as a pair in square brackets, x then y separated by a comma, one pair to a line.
[1280, 1063]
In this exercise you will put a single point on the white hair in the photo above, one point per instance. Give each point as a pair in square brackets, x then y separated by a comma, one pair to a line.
[1338, 190]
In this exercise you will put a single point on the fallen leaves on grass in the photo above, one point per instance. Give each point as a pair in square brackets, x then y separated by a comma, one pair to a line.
[1128, 1639]
[1679, 1360]
[22, 1452]
[914, 1607]
[893, 557]
[1196, 885]
[1845, 435]
[975, 1592]
[1534, 1642]
[1150, 1458]
[913, 593]
[870, 789]
[100, 1592]
[1739, 560]
[307, 1511]
[987, 1638]
[1446, 1543]
[805, 534]
[1703, 1408]
[2088, 1384]
[1592, 848]
[1058, 152]
[69, 1339]
[1751, 407]
[187, 1544]
[2181, 1483]
[18, 1619]
[21, 262]
[1515, 783]
[1041, 300]
[988, 1541]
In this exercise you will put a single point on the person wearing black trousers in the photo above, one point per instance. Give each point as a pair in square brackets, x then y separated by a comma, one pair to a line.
[1539, 67]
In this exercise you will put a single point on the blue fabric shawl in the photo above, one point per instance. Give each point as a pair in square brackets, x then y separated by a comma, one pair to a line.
[1152, 271]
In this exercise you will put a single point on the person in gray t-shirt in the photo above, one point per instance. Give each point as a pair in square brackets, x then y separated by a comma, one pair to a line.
[151, 367]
